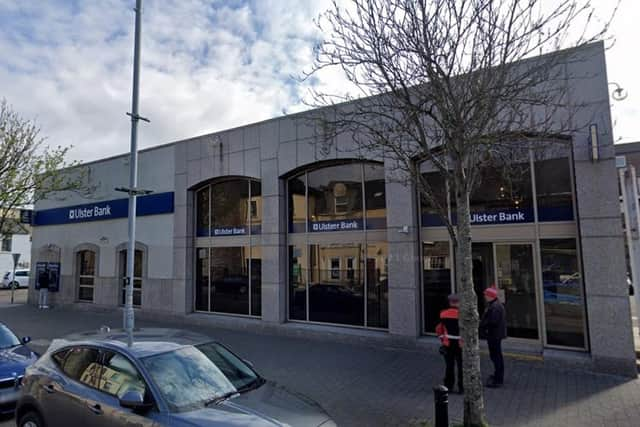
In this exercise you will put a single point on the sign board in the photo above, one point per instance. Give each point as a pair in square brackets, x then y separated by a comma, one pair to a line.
[153, 204]
[54, 275]
[16, 258]
[26, 216]
[336, 225]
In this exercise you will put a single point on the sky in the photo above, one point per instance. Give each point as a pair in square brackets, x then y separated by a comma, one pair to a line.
[207, 65]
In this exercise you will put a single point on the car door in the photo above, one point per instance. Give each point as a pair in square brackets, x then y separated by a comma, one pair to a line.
[117, 376]
[65, 395]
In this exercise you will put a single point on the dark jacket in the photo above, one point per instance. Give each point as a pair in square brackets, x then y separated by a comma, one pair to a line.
[493, 325]
[43, 280]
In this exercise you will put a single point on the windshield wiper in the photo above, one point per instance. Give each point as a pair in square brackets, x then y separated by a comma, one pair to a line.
[252, 385]
[219, 399]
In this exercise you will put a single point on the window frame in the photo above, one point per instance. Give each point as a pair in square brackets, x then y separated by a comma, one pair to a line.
[122, 268]
[68, 350]
[80, 276]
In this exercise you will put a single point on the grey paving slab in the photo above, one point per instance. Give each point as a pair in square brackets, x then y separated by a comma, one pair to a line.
[363, 385]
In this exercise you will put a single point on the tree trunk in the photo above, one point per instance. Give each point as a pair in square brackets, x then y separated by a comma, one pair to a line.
[473, 396]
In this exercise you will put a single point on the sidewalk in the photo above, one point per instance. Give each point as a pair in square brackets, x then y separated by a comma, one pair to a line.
[362, 385]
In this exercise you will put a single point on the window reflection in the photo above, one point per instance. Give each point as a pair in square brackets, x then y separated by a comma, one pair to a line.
[336, 294]
[202, 279]
[202, 212]
[505, 191]
[297, 204]
[229, 207]
[436, 265]
[335, 193]
[563, 297]
[230, 280]
[553, 190]
[298, 270]
[137, 276]
[377, 285]
[375, 200]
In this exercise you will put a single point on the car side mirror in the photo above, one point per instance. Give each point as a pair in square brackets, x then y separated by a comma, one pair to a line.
[26, 340]
[133, 399]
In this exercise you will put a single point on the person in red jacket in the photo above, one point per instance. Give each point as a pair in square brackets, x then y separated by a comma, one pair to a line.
[449, 333]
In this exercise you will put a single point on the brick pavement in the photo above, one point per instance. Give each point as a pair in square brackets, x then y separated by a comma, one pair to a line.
[372, 386]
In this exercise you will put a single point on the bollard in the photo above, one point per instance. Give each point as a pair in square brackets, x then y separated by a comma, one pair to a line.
[441, 399]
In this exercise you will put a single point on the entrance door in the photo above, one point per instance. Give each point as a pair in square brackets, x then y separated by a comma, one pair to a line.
[516, 278]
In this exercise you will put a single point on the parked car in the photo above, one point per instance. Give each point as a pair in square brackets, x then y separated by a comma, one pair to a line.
[15, 356]
[167, 377]
[20, 281]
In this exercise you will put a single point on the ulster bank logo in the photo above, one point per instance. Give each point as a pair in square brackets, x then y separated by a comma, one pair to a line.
[88, 213]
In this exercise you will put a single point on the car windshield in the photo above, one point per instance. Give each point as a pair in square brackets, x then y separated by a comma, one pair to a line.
[191, 377]
[7, 338]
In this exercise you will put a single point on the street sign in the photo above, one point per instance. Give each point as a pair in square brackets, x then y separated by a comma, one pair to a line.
[16, 258]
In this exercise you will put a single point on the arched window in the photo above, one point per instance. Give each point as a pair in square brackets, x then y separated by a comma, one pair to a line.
[86, 264]
[338, 254]
[228, 261]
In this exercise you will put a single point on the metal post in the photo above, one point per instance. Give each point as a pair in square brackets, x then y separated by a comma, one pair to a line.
[133, 180]
[631, 211]
[16, 258]
[441, 400]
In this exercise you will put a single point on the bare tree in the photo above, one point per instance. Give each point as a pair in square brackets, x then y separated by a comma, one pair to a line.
[460, 85]
[29, 169]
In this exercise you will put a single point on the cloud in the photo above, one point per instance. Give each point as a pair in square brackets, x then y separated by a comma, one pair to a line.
[206, 66]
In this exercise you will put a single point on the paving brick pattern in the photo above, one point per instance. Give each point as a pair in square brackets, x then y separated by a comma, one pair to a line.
[361, 385]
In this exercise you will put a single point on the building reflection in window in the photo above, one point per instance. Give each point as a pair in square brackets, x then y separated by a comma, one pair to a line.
[336, 295]
[377, 285]
[563, 295]
[335, 193]
[437, 266]
[229, 208]
[553, 190]
[298, 271]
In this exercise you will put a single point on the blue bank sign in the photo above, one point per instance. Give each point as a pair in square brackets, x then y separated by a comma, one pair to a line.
[153, 204]
[335, 225]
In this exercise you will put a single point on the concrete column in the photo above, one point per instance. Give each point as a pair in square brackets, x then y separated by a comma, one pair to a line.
[404, 267]
[274, 280]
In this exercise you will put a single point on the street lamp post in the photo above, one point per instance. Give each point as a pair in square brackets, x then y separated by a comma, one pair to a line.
[133, 191]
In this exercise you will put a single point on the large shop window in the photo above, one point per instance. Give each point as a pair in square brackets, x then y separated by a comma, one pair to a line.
[553, 190]
[504, 195]
[137, 276]
[229, 208]
[329, 285]
[563, 295]
[436, 263]
[342, 279]
[86, 262]
[228, 280]
[344, 197]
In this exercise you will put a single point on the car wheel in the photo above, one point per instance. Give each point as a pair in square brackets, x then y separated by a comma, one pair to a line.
[31, 419]
[14, 285]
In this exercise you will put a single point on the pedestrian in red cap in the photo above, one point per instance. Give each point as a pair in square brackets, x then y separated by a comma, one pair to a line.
[449, 333]
[493, 327]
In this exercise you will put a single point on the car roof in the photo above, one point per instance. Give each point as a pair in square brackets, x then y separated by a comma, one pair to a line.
[146, 342]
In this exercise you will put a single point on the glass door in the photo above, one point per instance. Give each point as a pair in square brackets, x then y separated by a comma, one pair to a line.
[516, 280]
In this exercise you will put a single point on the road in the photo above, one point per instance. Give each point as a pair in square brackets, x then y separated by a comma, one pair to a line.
[365, 385]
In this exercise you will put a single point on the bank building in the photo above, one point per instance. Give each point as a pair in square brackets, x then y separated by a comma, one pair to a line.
[257, 227]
